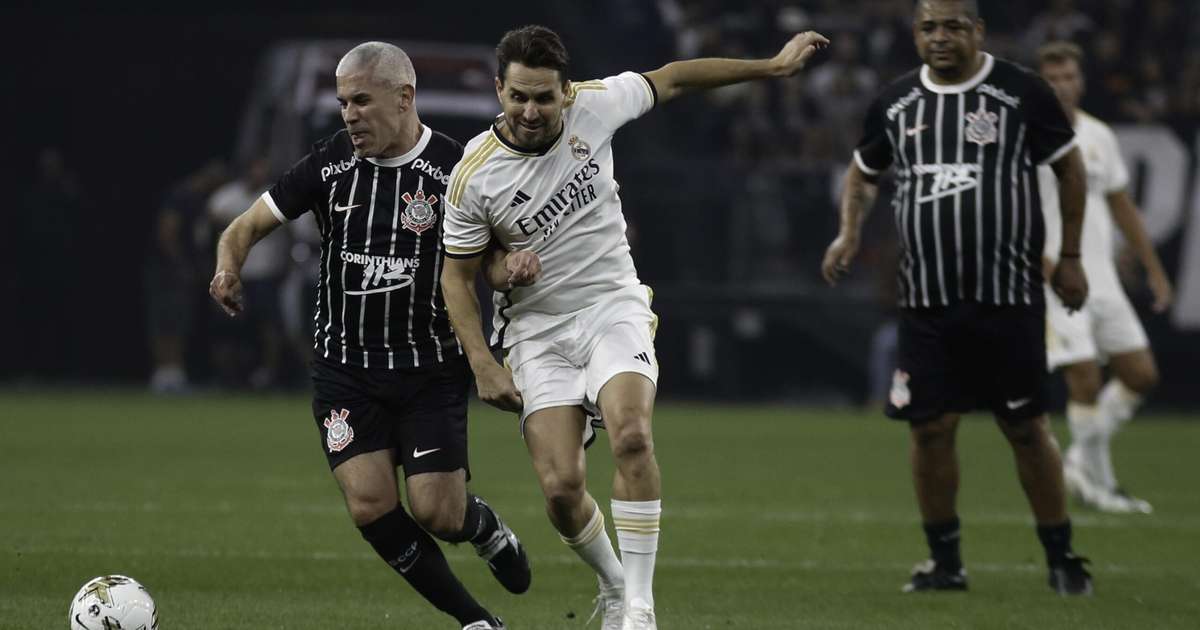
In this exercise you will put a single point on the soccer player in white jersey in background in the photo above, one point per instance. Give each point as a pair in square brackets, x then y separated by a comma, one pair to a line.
[1107, 328]
[576, 326]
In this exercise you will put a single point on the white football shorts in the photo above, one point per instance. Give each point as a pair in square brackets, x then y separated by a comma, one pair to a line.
[1106, 325]
[576, 357]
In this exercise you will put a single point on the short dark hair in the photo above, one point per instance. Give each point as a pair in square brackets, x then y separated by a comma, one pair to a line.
[1059, 52]
[532, 46]
[971, 6]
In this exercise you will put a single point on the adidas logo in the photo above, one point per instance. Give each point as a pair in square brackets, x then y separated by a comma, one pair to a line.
[642, 356]
[518, 199]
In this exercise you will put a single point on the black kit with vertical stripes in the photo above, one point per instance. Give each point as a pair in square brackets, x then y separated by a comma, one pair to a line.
[379, 300]
[966, 204]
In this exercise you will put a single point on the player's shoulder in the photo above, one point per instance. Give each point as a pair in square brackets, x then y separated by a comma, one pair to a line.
[1015, 76]
[597, 90]
[900, 92]
[334, 146]
[477, 156]
[442, 146]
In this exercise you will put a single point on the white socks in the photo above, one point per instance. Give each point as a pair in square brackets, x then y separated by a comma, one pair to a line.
[637, 536]
[1092, 428]
[592, 544]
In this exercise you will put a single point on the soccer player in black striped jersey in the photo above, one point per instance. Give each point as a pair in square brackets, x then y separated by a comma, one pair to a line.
[390, 380]
[965, 134]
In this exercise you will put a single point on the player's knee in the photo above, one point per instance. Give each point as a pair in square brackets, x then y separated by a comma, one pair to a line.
[633, 442]
[1026, 433]
[439, 518]
[366, 509]
[564, 490]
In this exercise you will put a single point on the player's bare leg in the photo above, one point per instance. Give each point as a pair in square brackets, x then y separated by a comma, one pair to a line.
[554, 437]
[1039, 467]
[369, 485]
[626, 403]
[934, 463]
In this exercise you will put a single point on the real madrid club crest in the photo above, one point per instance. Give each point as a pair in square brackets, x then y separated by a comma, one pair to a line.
[419, 214]
[981, 126]
[900, 396]
[338, 433]
[579, 149]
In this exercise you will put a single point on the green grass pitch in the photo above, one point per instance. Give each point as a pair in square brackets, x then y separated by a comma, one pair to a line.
[774, 517]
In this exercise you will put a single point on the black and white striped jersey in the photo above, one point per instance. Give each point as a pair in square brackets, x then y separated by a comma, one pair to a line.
[379, 300]
[966, 203]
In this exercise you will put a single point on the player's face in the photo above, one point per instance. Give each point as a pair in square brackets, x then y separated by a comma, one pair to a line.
[374, 114]
[532, 101]
[947, 38]
[1067, 80]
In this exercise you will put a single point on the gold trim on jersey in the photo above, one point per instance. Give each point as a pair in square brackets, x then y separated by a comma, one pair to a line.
[470, 164]
[574, 89]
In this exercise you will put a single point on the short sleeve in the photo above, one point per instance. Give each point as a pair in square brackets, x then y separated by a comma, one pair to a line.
[297, 191]
[617, 99]
[1115, 172]
[466, 230]
[1050, 134]
[874, 153]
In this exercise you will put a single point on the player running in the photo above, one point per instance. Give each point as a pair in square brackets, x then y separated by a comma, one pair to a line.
[576, 327]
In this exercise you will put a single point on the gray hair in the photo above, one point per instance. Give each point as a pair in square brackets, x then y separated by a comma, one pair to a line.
[384, 62]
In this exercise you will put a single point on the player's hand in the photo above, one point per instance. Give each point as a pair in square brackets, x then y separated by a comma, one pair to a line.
[524, 268]
[1160, 287]
[797, 51]
[1070, 283]
[496, 387]
[838, 257]
[226, 290]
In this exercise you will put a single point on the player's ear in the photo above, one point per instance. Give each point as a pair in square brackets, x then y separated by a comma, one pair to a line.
[407, 95]
[500, 88]
[980, 30]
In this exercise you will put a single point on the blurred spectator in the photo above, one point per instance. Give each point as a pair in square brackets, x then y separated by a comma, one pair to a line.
[1060, 21]
[254, 339]
[49, 266]
[841, 90]
[173, 280]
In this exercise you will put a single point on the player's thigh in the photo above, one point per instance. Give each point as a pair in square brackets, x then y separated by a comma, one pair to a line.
[924, 385]
[1137, 370]
[554, 437]
[368, 483]
[430, 420]
[1116, 326]
[1069, 336]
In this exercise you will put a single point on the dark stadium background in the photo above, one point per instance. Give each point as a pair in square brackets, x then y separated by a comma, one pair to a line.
[134, 101]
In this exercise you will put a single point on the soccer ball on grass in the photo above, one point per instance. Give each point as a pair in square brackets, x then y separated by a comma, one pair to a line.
[113, 602]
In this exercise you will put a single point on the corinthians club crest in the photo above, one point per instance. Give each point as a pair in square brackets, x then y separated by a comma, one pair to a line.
[419, 214]
[338, 434]
[900, 396]
[981, 126]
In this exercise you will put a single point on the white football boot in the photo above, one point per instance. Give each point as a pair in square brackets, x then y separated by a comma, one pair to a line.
[639, 616]
[611, 610]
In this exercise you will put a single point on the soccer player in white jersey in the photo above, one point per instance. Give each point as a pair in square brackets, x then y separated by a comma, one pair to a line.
[1107, 329]
[575, 327]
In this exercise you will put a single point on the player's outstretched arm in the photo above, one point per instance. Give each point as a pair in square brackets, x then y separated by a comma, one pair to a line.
[1125, 214]
[249, 228]
[858, 196]
[1069, 281]
[679, 77]
[495, 382]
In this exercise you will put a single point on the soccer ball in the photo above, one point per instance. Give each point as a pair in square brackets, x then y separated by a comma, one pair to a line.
[113, 602]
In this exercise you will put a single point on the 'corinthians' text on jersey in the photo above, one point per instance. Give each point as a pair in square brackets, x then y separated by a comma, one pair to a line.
[379, 303]
[966, 204]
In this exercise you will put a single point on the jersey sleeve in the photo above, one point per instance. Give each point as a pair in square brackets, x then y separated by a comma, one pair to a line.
[466, 230]
[1050, 134]
[1116, 174]
[297, 191]
[873, 155]
[617, 99]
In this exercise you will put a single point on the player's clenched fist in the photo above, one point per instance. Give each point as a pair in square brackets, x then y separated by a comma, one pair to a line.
[496, 387]
[524, 268]
[797, 51]
[226, 290]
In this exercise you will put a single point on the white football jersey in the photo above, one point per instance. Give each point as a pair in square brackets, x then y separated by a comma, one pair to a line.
[560, 203]
[1106, 174]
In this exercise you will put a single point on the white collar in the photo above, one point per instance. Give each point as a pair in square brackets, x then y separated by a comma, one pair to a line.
[401, 160]
[959, 88]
